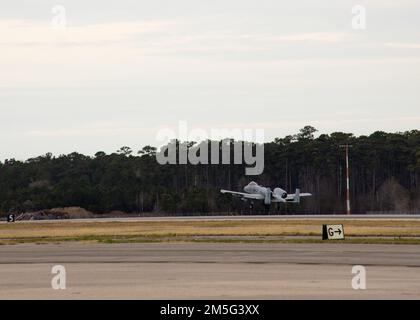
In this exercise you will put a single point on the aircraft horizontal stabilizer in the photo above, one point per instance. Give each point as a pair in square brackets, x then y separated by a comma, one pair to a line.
[295, 197]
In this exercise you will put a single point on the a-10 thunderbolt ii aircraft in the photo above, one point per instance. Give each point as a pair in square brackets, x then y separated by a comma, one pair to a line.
[253, 191]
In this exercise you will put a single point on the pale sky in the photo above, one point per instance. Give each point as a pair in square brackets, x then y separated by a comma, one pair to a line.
[118, 72]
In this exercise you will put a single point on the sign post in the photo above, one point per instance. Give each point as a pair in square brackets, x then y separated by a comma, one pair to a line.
[332, 232]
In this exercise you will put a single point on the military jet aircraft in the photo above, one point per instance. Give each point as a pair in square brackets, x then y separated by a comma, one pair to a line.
[253, 191]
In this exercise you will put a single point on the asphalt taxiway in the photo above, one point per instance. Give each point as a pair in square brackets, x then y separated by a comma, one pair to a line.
[209, 271]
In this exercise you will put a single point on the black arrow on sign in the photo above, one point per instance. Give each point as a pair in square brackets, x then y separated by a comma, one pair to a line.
[339, 231]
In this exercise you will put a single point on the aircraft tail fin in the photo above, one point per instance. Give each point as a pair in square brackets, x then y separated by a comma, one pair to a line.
[297, 196]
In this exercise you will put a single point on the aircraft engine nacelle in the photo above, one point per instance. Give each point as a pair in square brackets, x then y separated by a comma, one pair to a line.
[280, 193]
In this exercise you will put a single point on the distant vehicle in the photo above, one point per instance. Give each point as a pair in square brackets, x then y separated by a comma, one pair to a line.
[253, 191]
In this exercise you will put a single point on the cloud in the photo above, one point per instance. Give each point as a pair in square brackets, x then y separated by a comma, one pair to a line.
[181, 51]
[91, 129]
[152, 34]
[403, 45]
[32, 33]
[317, 37]
[34, 53]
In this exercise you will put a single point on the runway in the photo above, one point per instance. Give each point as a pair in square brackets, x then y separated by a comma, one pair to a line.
[399, 217]
[209, 271]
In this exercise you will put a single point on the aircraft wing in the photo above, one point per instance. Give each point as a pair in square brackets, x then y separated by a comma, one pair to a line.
[253, 196]
[293, 195]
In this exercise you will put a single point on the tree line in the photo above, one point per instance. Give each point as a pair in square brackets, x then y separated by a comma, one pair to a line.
[384, 169]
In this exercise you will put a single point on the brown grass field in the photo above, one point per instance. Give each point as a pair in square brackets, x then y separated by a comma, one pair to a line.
[299, 230]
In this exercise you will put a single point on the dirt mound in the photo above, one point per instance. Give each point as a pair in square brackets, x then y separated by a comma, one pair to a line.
[73, 212]
[57, 213]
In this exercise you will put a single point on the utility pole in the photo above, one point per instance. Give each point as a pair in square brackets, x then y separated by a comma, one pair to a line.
[347, 146]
